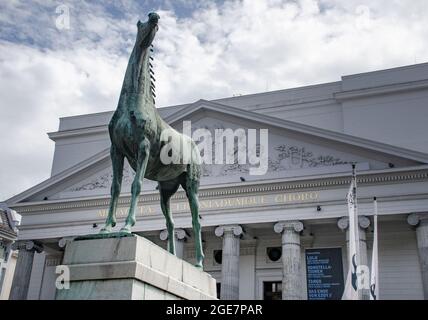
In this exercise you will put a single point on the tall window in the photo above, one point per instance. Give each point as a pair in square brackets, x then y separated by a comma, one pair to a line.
[272, 290]
[218, 285]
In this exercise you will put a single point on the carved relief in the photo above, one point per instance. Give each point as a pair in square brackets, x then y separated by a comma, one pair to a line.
[286, 158]
[104, 181]
[293, 157]
[281, 157]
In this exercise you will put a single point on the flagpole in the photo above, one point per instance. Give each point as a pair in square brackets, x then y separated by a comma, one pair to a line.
[374, 278]
[351, 290]
[356, 216]
[356, 224]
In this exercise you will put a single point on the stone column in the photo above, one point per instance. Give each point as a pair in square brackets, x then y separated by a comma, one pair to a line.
[24, 265]
[420, 221]
[180, 239]
[230, 261]
[291, 259]
[363, 223]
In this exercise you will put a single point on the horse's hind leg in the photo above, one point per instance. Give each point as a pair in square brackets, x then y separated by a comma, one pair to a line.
[191, 187]
[117, 162]
[166, 190]
[142, 159]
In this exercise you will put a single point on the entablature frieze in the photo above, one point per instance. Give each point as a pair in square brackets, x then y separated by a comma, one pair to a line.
[301, 191]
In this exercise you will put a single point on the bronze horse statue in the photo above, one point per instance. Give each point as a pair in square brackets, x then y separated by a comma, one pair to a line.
[136, 130]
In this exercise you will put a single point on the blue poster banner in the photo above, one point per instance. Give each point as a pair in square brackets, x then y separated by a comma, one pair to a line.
[324, 274]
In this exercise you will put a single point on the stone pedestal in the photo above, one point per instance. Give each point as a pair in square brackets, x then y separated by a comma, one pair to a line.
[291, 259]
[131, 268]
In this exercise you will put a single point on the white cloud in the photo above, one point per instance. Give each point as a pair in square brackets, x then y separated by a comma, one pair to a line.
[241, 47]
[217, 51]
[36, 89]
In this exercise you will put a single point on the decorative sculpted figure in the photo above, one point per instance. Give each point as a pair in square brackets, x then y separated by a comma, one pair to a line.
[136, 131]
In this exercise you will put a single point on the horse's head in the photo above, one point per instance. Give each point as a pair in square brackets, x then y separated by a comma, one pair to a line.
[147, 31]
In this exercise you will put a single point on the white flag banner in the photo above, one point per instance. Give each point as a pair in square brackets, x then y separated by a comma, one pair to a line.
[351, 289]
[374, 278]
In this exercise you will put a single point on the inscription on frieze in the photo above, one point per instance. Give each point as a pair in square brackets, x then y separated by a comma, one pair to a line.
[225, 203]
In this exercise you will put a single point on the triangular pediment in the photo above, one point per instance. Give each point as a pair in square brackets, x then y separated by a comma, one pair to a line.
[294, 151]
[290, 153]
[202, 107]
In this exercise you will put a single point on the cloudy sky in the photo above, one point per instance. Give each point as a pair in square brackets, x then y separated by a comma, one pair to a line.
[51, 66]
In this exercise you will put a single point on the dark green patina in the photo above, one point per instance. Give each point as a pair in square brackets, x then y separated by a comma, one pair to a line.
[135, 133]
[104, 236]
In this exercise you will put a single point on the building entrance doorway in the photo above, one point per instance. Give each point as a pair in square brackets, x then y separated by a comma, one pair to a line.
[272, 290]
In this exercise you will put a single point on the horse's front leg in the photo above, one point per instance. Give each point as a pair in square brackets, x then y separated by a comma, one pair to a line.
[117, 163]
[142, 159]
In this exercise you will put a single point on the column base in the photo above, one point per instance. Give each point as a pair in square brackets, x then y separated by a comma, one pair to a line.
[131, 268]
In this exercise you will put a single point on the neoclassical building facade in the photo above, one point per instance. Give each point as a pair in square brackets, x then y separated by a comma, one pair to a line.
[9, 221]
[280, 235]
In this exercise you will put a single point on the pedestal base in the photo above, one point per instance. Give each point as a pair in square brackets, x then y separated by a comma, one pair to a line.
[131, 268]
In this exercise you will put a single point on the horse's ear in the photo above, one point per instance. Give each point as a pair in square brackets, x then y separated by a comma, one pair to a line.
[139, 23]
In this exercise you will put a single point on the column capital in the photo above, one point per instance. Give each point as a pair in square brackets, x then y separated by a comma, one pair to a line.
[296, 226]
[343, 223]
[180, 234]
[163, 235]
[414, 219]
[62, 243]
[27, 245]
[236, 230]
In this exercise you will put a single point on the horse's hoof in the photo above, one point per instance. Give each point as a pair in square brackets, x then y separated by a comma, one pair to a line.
[199, 265]
[105, 230]
[126, 229]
